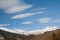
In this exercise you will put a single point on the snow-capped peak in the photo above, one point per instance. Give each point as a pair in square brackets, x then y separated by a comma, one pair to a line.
[35, 32]
[50, 28]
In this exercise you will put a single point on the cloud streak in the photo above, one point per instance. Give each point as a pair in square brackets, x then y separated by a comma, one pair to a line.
[4, 25]
[9, 3]
[48, 20]
[13, 6]
[38, 9]
[44, 20]
[18, 8]
[27, 22]
[25, 15]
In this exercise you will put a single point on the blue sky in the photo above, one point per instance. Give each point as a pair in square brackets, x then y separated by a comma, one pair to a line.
[29, 14]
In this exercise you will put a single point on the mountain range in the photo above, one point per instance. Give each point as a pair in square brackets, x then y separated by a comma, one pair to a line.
[53, 34]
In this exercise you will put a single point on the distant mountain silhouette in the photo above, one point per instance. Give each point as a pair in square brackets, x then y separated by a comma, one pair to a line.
[49, 35]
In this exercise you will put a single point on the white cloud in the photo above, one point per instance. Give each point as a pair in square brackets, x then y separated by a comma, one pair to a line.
[12, 6]
[18, 8]
[44, 20]
[27, 22]
[40, 9]
[56, 20]
[25, 15]
[37, 9]
[4, 24]
[34, 32]
[8, 3]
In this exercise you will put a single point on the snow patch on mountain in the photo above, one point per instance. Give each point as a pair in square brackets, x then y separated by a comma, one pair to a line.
[34, 32]
[48, 28]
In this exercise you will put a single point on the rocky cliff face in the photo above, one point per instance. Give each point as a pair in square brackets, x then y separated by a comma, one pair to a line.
[49, 35]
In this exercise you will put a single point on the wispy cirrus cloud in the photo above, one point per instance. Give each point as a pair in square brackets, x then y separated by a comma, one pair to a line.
[27, 22]
[18, 8]
[38, 9]
[26, 15]
[4, 25]
[48, 20]
[56, 20]
[13, 6]
[5, 4]
[44, 20]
